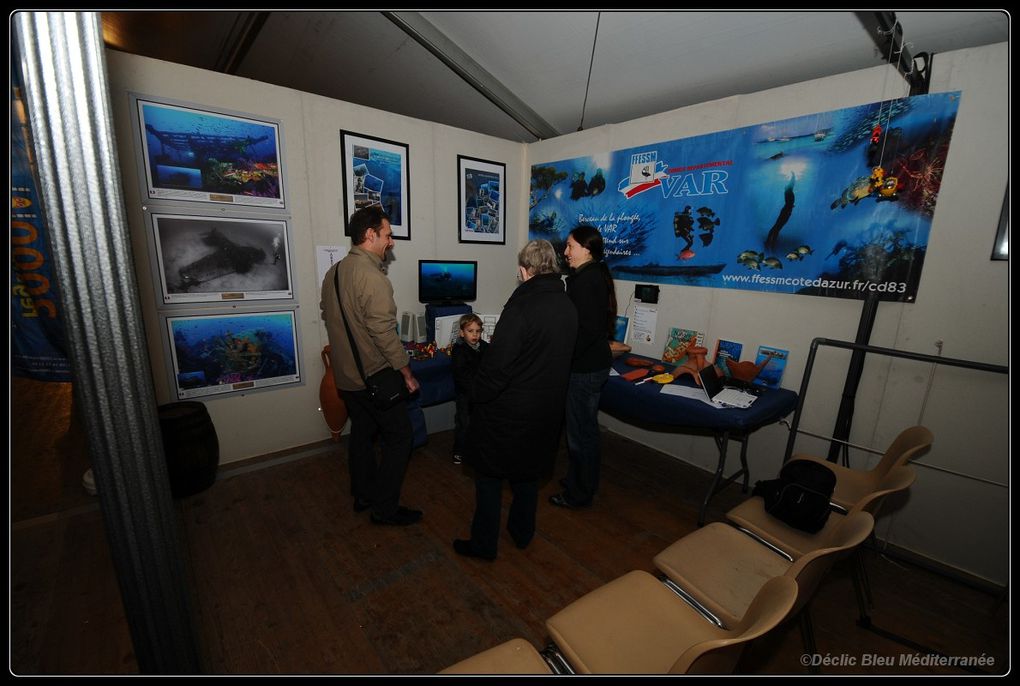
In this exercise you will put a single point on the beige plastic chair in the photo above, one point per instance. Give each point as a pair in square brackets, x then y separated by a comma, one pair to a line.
[636, 625]
[722, 569]
[516, 656]
[854, 484]
[751, 517]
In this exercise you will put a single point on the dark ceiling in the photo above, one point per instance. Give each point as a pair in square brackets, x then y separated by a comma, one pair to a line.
[530, 75]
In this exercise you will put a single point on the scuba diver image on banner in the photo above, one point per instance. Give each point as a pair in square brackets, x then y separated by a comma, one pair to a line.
[837, 204]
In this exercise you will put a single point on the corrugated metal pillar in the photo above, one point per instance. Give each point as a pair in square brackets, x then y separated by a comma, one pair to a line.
[61, 58]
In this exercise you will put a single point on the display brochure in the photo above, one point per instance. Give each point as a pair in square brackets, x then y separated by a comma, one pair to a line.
[620, 332]
[773, 364]
[678, 341]
[726, 350]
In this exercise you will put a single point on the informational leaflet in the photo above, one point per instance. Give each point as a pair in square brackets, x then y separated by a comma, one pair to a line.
[643, 326]
[326, 256]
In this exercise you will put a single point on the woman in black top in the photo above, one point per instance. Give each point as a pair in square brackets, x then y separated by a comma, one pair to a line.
[590, 287]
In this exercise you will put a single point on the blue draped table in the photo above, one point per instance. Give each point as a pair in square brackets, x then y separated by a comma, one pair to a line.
[646, 405]
[435, 377]
[435, 374]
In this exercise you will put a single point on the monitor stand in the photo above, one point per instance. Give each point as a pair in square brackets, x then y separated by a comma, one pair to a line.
[444, 309]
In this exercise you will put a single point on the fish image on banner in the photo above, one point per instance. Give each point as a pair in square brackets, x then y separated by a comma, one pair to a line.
[809, 205]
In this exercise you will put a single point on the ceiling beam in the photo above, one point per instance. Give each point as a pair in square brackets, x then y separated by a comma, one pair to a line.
[239, 41]
[433, 40]
[887, 32]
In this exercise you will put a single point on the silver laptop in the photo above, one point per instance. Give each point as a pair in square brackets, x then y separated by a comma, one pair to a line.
[712, 384]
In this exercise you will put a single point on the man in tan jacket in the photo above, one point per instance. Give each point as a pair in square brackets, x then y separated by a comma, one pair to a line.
[367, 296]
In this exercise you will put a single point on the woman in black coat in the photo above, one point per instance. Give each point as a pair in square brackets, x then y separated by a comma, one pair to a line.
[517, 401]
[590, 287]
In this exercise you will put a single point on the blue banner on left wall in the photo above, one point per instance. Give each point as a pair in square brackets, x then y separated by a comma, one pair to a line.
[37, 331]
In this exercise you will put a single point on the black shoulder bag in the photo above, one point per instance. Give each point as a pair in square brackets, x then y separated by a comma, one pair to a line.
[386, 387]
[800, 496]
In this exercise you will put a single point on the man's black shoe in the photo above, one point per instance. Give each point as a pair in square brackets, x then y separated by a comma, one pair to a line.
[360, 504]
[521, 542]
[560, 500]
[402, 517]
[467, 549]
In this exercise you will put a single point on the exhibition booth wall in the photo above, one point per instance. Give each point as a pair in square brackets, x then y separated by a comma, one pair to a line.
[956, 515]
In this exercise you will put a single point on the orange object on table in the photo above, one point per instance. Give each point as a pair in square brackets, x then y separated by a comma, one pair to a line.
[637, 362]
[634, 375]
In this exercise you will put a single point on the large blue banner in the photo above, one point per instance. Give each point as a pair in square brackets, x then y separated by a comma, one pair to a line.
[37, 333]
[836, 204]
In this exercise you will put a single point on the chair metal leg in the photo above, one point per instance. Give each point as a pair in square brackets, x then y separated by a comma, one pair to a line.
[863, 601]
[807, 634]
[862, 572]
[554, 658]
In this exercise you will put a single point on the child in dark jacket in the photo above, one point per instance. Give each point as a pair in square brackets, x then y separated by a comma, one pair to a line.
[467, 354]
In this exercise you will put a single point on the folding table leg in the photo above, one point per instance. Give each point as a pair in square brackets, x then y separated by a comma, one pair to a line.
[721, 440]
[743, 461]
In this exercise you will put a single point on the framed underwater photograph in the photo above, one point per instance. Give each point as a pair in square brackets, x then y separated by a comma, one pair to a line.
[215, 259]
[374, 172]
[212, 354]
[480, 207]
[199, 154]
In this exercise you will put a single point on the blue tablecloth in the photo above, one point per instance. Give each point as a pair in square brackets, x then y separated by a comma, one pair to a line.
[435, 375]
[646, 403]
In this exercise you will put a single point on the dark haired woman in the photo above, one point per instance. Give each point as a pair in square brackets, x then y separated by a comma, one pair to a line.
[590, 287]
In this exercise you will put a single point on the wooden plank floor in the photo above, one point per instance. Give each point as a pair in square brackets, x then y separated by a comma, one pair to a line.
[287, 579]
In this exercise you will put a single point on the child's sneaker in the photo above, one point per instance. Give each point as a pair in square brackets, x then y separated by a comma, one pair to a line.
[457, 459]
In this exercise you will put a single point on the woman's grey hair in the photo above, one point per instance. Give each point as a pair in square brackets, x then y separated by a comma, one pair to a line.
[539, 257]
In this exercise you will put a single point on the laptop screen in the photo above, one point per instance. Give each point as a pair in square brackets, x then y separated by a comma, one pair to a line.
[710, 381]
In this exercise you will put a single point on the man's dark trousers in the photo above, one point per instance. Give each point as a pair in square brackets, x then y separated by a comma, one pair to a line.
[378, 482]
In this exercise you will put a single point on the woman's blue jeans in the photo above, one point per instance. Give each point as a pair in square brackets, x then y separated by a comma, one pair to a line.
[583, 436]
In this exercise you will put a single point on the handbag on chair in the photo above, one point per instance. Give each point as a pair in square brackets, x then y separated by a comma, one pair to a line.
[800, 496]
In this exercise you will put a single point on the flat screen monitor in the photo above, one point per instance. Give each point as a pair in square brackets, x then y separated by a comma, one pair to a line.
[447, 281]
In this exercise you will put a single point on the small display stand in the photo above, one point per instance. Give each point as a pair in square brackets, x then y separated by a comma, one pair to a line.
[433, 310]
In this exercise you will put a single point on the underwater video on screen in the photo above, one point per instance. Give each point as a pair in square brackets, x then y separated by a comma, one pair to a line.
[447, 281]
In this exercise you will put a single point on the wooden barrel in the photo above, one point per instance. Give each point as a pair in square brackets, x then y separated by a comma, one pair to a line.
[191, 447]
